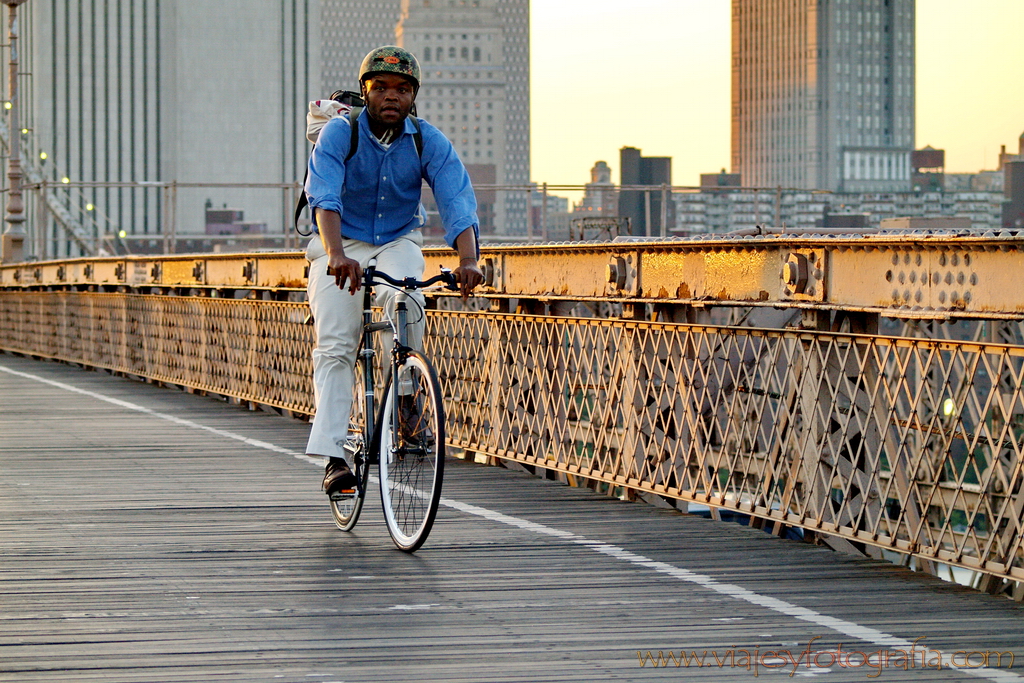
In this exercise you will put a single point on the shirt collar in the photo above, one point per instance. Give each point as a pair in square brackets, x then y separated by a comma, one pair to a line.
[408, 126]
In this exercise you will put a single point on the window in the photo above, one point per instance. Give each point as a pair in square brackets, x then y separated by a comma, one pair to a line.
[426, 54]
[476, 54]
[465, 53]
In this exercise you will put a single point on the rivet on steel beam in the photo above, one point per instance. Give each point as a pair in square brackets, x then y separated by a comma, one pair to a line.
[794, 273]
[489, 272]
[617, 272]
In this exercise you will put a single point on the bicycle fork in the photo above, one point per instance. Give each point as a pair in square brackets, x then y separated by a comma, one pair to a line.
[399, 350]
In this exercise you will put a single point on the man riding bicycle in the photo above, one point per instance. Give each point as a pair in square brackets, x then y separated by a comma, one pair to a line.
[367, 206]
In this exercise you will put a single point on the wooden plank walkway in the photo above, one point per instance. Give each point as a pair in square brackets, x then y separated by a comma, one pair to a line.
[143, 540]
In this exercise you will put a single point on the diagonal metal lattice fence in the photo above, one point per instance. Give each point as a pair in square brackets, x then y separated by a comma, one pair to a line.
[908, 444]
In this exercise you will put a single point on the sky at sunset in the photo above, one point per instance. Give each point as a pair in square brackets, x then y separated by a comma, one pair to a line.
[655, 74]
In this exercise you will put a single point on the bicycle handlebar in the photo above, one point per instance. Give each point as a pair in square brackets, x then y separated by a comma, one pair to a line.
[372, 276]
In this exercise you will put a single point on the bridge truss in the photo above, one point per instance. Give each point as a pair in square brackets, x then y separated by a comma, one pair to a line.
[866, 389]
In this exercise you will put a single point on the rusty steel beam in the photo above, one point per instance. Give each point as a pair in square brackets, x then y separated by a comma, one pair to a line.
[906, 275]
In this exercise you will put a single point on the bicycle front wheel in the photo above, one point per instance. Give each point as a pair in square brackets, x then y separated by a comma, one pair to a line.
[412, 451]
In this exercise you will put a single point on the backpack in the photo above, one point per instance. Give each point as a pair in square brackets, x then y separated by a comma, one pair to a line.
[341, 103]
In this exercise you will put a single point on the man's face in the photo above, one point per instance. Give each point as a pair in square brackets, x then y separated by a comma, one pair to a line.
[389, 98]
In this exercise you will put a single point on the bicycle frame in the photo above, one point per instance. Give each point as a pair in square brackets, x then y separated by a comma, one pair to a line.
[408, 448]
[399, 329]
[367, 354]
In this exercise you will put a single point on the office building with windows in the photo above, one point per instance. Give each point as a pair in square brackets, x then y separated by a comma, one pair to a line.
[351, 28]
[823, 94]
[119, 95]
[650, 212]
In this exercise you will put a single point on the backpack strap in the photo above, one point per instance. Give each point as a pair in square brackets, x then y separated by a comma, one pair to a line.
[417, 137]
[301, 203]
[353, 115]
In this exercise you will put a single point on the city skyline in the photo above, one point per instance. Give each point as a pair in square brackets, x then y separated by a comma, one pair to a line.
[589, 101]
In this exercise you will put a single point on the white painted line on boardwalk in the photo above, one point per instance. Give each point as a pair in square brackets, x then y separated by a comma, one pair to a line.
[847, 628]
[164, 416]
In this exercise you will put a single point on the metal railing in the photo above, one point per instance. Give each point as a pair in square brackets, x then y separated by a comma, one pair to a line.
[910, 441]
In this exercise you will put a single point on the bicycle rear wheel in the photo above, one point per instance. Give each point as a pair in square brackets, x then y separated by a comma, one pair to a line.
[412, 450]
[346, 507]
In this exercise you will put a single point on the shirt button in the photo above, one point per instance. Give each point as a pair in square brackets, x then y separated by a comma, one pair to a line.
[382, 199]
[380, 215]
[385, 177]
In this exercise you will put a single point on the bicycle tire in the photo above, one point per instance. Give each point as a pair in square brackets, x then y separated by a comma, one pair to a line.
[411, 461]
[346, 510]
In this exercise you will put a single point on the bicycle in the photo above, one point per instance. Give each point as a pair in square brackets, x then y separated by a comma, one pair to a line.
[406, 432]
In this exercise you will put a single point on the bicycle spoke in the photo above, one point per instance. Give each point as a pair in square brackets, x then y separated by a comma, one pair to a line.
[412, 449]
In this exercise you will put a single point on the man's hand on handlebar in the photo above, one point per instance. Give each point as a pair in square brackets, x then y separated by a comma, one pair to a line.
[345, 270]
[468, 275]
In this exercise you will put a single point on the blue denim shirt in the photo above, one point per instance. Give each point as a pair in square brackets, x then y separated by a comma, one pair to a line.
[377, 192]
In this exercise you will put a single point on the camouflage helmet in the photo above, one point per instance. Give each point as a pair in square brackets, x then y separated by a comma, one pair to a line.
[390, 59]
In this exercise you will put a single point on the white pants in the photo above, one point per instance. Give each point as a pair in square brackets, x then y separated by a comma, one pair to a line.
[337, 318]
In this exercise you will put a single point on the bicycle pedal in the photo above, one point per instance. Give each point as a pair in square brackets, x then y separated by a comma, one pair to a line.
[344, 494]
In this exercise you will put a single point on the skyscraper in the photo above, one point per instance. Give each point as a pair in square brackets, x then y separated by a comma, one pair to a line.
[350, 29]
[476, 76]
[128, 94]
[823, 93]
[122, 93]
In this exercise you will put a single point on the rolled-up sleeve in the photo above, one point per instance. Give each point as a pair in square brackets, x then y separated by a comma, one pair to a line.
[449, 180]
[327, 166]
